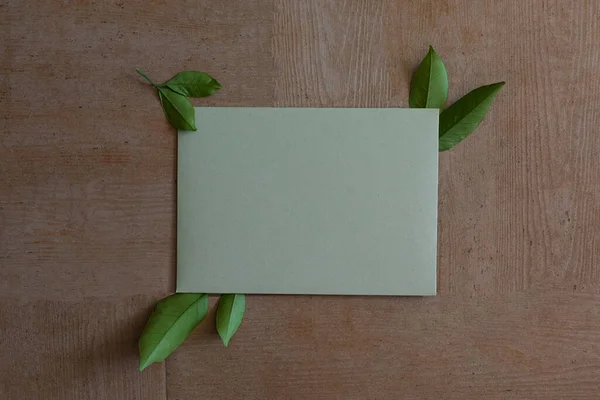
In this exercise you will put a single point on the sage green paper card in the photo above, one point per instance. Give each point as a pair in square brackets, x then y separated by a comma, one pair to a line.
[308, 201]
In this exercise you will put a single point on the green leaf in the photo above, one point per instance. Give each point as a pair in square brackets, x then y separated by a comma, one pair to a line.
[193, 84]
[178, 109]
[429, 85]
[229, 315]
[462, 117]
[169, 325]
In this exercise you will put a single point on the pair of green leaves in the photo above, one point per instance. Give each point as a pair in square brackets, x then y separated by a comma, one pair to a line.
[173, 96]
[176, 316]
[429, 89]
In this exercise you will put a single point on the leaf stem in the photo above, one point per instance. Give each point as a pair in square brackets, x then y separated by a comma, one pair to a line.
[146, 77]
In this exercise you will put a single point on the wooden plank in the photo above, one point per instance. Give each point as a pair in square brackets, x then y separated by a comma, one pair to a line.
[535, 345]
[88, 159]
[512, 197]
[80, 349]
[87, 194]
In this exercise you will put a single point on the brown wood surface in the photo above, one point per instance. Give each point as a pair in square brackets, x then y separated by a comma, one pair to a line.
[87, 199]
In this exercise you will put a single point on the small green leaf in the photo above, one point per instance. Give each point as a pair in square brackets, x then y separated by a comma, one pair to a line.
[229, 315]
[462, 117]
[193, 84]
[169, 325]
[178, 109]
[429, 85]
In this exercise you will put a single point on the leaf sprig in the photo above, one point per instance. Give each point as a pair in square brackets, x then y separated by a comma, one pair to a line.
[176, 316]
[429, 89]
[174, 93]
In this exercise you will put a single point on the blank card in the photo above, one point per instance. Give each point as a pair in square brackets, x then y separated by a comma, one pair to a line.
[308, 201]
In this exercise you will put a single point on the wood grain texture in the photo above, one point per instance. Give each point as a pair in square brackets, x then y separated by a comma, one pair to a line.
[535, 345]
[81, 349]
[87, 199]
[330, 54]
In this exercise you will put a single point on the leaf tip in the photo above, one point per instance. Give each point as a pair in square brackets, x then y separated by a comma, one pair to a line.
[144, 365]
[497, 85]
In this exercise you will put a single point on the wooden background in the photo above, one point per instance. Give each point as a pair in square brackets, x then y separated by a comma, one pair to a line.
[87, 199]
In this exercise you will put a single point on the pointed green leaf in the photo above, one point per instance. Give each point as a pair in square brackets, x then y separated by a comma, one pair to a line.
[193, 84]
[178, 109]
[429, 85]
[462, 117]
[169, 325]
[229, 315]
